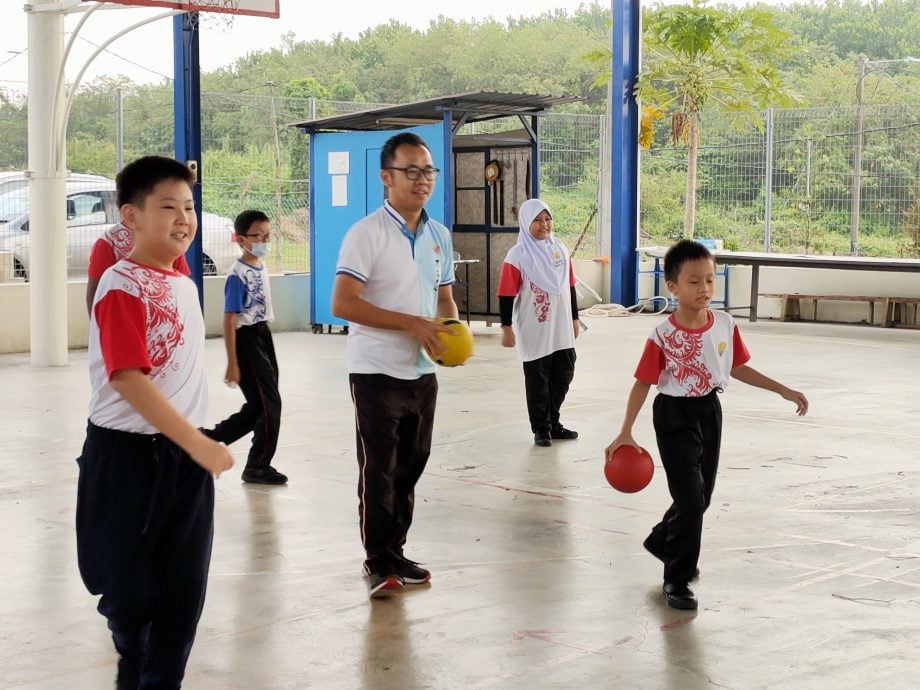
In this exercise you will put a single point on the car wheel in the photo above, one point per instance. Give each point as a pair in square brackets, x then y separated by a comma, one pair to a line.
[207, 266]
[19, 271]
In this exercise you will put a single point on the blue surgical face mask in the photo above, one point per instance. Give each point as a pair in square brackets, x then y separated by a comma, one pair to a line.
[260, 249]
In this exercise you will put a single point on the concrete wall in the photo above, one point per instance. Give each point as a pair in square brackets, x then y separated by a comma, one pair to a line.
[808, 281]
[290, 300]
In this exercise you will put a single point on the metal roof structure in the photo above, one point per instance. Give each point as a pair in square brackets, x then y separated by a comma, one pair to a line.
[474, 106]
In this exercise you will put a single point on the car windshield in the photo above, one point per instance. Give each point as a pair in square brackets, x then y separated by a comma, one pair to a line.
[13, 205]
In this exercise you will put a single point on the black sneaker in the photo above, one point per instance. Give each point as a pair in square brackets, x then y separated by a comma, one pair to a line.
[560, 433]
[541, 438]
[263, 475]
[679, 596]
[380, 586]
[382, 578]
[411, 572]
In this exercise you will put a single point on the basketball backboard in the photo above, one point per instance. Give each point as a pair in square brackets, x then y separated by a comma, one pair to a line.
[259, 8]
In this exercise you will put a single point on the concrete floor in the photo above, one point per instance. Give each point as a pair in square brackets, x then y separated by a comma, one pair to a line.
[811, 553]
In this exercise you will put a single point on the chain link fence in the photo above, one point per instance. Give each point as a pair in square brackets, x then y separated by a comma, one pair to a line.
[793, 187]
[789, 187]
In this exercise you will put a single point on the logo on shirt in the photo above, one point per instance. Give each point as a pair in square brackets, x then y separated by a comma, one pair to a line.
[436, 249]
[722, 347]
[540, 302]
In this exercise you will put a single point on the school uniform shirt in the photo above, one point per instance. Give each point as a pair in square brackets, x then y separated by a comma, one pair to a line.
[401, 272]
[247, 293]
[149, 319]
[542, 321]
[692, 362]
[114, 245]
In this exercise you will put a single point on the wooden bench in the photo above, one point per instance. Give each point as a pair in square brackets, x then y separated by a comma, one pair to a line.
[895, 308]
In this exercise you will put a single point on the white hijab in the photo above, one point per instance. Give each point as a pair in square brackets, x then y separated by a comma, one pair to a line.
[545, 262]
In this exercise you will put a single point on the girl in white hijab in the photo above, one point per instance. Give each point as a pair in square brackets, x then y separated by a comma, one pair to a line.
[539, 315]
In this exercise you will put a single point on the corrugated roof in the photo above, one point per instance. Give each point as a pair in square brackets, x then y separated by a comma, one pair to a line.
[476, 106]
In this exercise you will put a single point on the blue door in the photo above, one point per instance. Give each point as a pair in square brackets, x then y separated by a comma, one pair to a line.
[344, 187]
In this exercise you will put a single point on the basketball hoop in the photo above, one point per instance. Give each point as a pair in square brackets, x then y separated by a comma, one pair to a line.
[217, 15]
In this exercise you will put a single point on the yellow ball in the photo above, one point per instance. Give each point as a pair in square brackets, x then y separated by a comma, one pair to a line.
[459, 343]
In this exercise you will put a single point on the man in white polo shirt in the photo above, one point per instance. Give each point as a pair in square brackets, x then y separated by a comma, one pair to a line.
[394, 274]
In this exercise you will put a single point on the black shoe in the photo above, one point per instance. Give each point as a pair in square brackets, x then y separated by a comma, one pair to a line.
[541, 438]
[263, 475]
[411, 572]
[382, 578]
[679, 596]
[658, 552]
[381, 586]
[560, 433]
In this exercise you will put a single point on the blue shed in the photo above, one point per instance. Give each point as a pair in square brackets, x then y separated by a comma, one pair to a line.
[487, 172]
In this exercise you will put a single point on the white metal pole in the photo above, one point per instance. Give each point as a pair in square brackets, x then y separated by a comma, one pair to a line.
[47, 217]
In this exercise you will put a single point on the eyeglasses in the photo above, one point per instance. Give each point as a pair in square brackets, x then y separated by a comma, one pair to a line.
[414, 173]
[259, 238]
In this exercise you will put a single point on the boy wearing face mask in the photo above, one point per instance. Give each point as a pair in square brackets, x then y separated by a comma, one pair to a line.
[251, 362]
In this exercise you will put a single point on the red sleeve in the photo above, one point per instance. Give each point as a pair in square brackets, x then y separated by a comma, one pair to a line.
[122, 332]
[181, 265]
[571, 274]
[740, 354]
[510, 281]
[651, 363]
[101, 257]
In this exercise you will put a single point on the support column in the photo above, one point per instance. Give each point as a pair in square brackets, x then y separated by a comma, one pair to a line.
[624, 151]
[187, 120]
[47, 213]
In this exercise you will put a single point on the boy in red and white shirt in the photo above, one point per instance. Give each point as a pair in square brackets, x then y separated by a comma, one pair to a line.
[145, 495]
[690, 357]
[112, 246]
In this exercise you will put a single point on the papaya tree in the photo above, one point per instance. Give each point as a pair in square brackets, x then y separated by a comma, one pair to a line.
[697, 57]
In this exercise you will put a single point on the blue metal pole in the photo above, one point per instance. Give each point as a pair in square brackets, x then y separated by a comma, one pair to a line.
[447, 176]
[314, 242]
[624, 151]
[187, 122]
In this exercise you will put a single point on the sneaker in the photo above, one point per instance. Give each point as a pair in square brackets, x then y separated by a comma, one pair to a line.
[411, 572]
[263, 475]
[541, 438]
[560, 433]
[380, 586]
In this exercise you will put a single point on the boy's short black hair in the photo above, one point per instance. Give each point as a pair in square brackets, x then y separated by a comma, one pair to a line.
[388, 152]
[685, 250]
[245, 220]
[137, 179]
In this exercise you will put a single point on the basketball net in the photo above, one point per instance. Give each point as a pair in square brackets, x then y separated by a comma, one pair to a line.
[217, 15]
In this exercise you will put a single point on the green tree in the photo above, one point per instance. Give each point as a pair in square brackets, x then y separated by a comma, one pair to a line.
[697, 56]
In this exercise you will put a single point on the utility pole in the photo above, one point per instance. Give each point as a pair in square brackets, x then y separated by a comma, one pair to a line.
[857, 159]
[119, 129]
[271, 91]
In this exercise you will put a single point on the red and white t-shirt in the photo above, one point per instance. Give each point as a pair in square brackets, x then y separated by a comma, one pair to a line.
[542, 321]
[148, 319]
[692, 362]
[114, 245]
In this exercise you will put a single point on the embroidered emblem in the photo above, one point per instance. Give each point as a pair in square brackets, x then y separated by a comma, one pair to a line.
[722, 347]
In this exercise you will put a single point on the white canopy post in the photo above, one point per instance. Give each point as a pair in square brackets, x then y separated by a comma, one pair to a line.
[47, 216]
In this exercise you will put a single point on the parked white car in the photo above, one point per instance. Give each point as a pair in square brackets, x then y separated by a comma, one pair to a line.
[11, 180]
[92, 209]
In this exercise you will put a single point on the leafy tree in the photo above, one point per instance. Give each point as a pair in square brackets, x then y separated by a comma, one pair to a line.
[698, 55]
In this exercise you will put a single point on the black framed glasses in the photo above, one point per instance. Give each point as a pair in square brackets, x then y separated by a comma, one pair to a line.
[259, 238]
[414, 173]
